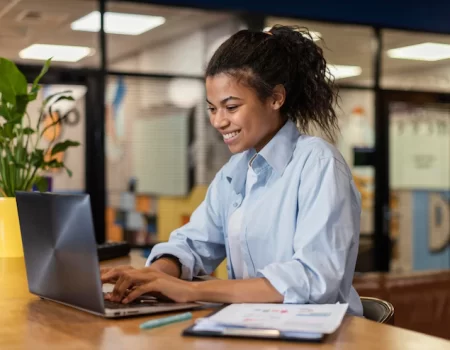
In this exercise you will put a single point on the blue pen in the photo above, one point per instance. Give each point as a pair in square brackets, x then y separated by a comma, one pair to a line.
[166, 320]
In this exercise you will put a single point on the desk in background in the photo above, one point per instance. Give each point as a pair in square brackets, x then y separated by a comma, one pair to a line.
[30, 323]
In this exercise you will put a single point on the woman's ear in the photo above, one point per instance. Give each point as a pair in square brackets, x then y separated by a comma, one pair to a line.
[278, 96]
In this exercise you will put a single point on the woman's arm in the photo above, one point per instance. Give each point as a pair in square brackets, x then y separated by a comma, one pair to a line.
[132, 283]
[199, 245]
[326, 242]
[254, 290]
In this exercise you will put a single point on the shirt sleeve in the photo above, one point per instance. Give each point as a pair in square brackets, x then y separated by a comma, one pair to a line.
[326, 231]
[200, 244]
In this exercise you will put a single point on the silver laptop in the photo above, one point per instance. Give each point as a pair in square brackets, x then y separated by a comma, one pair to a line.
[61, 256]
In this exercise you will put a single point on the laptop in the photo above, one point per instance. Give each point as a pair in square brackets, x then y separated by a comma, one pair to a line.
[61, 256]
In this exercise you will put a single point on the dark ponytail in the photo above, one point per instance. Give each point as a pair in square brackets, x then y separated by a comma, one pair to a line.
[288, 56]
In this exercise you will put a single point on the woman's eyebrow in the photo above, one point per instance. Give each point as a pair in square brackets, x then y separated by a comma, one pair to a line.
[226, 99]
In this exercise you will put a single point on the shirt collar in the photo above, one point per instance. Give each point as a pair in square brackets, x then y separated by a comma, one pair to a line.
[276, 154]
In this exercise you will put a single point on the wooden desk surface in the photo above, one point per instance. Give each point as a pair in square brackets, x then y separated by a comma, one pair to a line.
[26, 322]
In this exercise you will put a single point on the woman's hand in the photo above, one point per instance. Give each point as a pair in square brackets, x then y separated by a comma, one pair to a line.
[131, 283]
[111, 274]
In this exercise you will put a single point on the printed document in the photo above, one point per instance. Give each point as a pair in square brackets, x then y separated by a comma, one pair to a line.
[309, 318]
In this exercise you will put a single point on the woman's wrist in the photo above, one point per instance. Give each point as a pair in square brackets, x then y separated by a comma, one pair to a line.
[196, 292]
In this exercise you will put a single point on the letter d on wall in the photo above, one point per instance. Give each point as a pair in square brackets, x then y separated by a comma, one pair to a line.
[439, 224]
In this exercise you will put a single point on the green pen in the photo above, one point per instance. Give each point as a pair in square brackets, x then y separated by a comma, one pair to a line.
[166, 320]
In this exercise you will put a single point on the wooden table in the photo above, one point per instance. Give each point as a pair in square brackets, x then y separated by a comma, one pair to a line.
[26, 322]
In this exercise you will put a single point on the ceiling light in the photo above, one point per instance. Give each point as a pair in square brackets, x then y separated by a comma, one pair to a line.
[340, 72]
[60, 53]
[422, 52]
[315, 35]
[118, 23]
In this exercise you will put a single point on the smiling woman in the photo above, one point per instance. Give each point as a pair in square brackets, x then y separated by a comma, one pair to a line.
[284, 209]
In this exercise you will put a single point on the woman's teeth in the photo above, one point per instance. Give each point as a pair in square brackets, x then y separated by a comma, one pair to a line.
[231, 135]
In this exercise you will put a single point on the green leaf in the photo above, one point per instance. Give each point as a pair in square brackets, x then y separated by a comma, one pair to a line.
[12, 83]
[5, 112]
[28, 131]
[69, 172]
[32, 96]
[37, 158]
[55, 164]
[41, 184]
[15, 120]
[62, 146]
[8, 129]
[45, 67]
[21, 104]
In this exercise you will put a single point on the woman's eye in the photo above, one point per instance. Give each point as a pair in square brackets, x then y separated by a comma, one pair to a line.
[232, 108]
[211, 109]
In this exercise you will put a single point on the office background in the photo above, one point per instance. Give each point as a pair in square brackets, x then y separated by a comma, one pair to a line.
[148, 152]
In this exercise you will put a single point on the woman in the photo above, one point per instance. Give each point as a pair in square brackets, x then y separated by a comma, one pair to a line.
[284, 209]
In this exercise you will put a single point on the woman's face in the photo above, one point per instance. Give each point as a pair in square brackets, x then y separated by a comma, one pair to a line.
[239, 115]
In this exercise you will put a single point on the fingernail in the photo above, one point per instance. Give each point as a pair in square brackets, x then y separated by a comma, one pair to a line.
[124, 301]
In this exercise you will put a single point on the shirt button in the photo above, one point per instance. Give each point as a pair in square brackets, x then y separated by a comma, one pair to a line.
[235, 204]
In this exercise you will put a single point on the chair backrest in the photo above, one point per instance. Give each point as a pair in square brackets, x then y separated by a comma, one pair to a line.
[378, 310]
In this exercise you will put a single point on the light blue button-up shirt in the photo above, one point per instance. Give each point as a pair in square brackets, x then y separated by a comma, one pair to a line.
[301, 223]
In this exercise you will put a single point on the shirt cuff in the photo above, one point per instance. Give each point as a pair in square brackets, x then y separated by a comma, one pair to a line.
[186, 261]
[287, 280]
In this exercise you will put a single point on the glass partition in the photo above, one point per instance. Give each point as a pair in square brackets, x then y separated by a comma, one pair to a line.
[415, 61]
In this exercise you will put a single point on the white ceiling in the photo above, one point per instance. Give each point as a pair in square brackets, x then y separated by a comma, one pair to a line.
[17, 33]
[343, 44]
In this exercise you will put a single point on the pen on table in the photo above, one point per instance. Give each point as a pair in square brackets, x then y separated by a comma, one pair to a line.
[165, 320]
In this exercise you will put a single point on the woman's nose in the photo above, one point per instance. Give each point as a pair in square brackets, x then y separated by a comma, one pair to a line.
[219, 120]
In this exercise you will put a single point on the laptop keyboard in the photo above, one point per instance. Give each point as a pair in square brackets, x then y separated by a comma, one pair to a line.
[137, 303]
[111, 250]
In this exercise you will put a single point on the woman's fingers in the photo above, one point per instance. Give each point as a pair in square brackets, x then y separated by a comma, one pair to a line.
[111, 275]
[138, 291]
[131, 279]
[122, 285]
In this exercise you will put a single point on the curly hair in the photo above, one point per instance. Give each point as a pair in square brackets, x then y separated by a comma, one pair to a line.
[285, 55]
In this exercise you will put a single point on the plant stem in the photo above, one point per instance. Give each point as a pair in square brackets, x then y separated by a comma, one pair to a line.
[3, 169]
[30, 180]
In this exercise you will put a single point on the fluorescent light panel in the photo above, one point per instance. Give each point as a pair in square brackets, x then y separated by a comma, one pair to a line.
[60, 53]
[341, 72]
[118, 23]
[422, 52]
[315, 35]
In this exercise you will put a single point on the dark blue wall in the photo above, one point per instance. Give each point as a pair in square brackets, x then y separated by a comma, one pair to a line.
[431, 15]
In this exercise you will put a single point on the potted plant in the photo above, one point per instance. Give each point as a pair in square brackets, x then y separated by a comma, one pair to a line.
[23, 160]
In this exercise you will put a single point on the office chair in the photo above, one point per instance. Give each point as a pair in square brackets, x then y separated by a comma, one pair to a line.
[378, 310]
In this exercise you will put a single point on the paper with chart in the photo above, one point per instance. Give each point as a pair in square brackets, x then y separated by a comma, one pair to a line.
[323, 319]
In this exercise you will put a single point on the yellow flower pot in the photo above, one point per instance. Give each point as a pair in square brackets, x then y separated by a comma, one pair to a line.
[10, 237]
